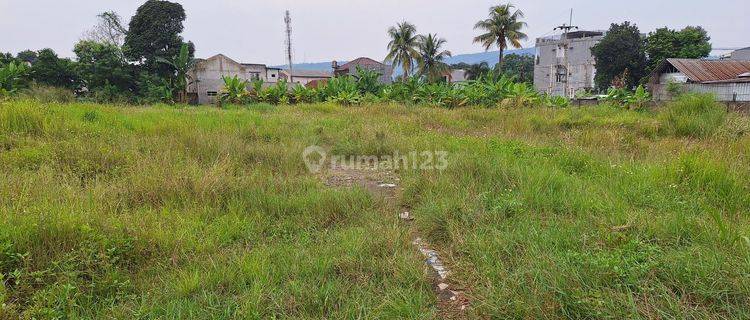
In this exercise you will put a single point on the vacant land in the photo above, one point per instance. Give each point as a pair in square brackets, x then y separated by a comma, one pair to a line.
[181, 212]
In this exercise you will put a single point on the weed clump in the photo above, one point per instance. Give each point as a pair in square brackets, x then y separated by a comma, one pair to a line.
[693, 115]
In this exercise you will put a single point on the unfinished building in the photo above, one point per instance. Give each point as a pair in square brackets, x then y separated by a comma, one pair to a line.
[564, 64]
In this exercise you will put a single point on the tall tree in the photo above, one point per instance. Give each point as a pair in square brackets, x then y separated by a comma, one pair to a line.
[28, 56]
[101, 65]
[620, 56]
[154, 32]
[519, 66]
[182, 63]
[49, 69]
[431, 63]
[109, 29]
[402, 49]
[688, 43]
[502, 28]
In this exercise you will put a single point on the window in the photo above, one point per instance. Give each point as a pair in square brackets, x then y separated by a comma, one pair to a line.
[273, 75]
[211, 93]
[561, 74]
[254, 76]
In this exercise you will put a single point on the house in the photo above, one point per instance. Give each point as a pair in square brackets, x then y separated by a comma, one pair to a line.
[729, 80]
[205, 77]
[455, 76]
[564, 64]
[350, 68]
[305, 77]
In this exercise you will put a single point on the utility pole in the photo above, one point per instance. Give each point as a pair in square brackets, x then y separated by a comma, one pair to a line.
[565, 46]
[288, 22]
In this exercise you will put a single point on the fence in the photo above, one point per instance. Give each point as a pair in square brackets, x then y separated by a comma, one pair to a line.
[725, 92]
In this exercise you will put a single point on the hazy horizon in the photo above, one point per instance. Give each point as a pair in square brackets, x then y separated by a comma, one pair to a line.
[346, 29]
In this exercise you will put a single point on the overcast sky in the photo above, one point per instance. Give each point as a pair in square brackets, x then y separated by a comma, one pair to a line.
[253, 30]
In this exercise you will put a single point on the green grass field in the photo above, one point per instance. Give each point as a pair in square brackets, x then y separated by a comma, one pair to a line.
[169, 212]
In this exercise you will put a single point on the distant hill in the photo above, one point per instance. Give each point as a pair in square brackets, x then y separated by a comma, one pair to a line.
[471, 58]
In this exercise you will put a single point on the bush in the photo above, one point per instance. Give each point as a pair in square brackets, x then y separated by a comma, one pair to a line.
[49, 94]
[693, 115]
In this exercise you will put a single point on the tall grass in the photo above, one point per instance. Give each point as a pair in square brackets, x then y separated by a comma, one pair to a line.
[693, 115]
[165, 212]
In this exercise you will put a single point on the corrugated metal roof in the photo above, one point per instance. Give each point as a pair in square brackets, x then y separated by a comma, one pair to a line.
[711, 71]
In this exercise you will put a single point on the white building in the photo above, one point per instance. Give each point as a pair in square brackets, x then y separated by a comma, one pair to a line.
[564, 64]
[206, 76]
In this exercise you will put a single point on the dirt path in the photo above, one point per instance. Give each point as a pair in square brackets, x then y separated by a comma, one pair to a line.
[386, 185]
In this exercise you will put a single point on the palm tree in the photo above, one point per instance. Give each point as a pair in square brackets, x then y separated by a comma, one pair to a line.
[431, 63]
[474, 71]
[501, 28]
[182, 63]
[402, 48]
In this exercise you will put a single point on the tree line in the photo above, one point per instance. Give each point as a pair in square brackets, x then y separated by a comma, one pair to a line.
[116, 61]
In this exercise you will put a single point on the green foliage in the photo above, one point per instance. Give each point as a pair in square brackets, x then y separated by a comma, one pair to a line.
[519, 66]
[693, 115]
[181, 63]
[620, 53]
[503, 27]
[12, 77]
[473, 71]
[153, 33]
[430, 63]
[402, 48]
[639, 99]
[688, 43]
[520, 95]
[104, 70]
[50, 70]
[555, 101]
[49, 94]
[368, 81]
[234, 90]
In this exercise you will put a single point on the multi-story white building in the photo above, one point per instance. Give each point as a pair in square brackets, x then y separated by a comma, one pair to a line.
[564, 64]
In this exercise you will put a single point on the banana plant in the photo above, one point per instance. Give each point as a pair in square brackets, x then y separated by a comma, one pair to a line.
[234, 91]
[182, 63]
[11, 77]
[639, 99]
[520, 95]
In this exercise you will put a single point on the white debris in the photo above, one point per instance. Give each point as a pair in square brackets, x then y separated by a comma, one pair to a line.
[406, 216]
[387, 185]
[433, 259]
[443, 286]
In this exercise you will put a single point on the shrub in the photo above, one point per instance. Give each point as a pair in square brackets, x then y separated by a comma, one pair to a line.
[693, 115]
[49, 94]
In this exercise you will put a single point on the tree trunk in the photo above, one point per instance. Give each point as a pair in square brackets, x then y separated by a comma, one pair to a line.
[499, 60]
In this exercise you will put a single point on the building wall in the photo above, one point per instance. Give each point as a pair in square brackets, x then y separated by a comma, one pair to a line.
[386, 71]
[550, 60]
[207, 76]
[725, 92]
[742, 55]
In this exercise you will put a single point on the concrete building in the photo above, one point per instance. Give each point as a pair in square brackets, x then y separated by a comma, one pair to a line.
[205, 77]
[564, 64]
[350, 68]
[728, 80]
[304, 77]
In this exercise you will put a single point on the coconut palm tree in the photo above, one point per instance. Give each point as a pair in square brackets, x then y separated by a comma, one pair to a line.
[474, 71]
[402, 50]
[501, 28]
[182, 63]
[431, 63]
